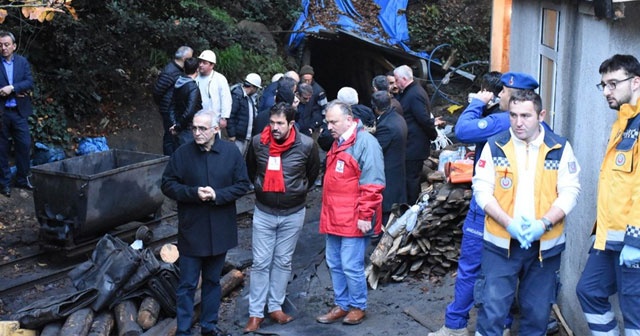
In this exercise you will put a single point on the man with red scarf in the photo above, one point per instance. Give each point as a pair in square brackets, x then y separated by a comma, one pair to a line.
[283, 163]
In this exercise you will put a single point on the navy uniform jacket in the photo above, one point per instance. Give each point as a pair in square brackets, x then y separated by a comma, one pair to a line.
[472, 127]
[206, 228]
[391, 133]
[22, 84]
[415, 106]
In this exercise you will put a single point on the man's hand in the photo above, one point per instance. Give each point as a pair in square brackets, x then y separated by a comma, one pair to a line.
[630, 256]
[516, 230]
[534, 231]
[173, 131]
[206, 194]
[6, 90]
[485, 96]
[223, 122]
[364, 226]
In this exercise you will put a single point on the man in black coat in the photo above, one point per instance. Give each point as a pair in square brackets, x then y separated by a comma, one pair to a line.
[185, 102]
[205, 177]
[391, 133]
[163, 90]
[243, 111]
[420, 126]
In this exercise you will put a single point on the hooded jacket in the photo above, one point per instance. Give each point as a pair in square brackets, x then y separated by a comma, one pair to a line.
[185, 103]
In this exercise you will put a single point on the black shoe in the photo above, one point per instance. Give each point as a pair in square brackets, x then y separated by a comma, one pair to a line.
[6, 191]
[25, 185]
[215, 332]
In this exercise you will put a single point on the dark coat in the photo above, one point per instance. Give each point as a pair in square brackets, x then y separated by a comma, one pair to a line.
[206, 228]
[268, 97]
[185, 102]
[238, 121]
[364, 113]
[421, 130]
[397, 106]
[163, 89]
[300, 167]
[391, 132]
[22, 84]
[309, 116]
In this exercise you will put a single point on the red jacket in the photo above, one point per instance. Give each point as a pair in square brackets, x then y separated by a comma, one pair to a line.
[353, 185]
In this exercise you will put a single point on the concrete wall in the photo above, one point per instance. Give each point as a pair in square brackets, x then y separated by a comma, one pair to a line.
[581, 112]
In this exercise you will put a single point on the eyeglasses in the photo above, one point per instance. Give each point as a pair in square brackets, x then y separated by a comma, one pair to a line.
[201, 129]
[612, 84]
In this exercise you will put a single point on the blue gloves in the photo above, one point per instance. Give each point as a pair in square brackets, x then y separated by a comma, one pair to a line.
[516, 229]
[630, 256]
[534, 231]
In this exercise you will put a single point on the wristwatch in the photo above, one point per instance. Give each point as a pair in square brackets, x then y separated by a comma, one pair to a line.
[547, 224]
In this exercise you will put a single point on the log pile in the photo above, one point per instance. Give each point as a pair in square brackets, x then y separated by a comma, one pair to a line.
[432, 246]
[140, 315]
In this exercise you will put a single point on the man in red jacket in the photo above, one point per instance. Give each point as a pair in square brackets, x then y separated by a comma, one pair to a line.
[351, 210]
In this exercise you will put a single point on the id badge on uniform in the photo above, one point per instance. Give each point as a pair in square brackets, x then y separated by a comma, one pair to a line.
[340, 166]
[273, 163]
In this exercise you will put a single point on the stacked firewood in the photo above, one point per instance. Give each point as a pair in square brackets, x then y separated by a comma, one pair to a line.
[140, 316]
[432, 245]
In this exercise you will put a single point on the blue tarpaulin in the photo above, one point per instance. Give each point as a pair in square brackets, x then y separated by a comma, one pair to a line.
[391, 28]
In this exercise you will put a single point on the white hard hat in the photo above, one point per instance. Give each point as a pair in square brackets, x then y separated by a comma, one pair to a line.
[348, 95]
[208, 56]
[276, 77]
[254, 79]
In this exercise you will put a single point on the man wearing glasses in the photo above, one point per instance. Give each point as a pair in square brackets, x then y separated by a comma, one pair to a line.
[205, 177]
[613, 265]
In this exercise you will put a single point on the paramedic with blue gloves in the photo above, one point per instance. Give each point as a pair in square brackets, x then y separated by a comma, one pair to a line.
[479, 121]
[613, 265]
[526, 180]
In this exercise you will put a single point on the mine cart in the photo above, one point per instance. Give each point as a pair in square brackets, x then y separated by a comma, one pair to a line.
[80, 198]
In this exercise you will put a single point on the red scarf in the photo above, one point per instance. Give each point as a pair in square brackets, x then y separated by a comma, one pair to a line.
[274, 178]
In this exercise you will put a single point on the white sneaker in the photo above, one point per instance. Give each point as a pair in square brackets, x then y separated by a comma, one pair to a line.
[444, 331]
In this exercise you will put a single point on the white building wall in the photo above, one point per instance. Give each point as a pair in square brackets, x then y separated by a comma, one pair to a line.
[582, 114]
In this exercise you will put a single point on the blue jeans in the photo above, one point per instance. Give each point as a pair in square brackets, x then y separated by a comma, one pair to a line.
[602, 277]
[457, 315]
[190, 268]
[537, 283]
[274, 240]
[345, 258]
[16, 127]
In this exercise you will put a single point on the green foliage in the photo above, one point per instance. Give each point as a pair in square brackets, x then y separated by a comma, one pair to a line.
[465, 25]
[235, 62]
[281, 13]
[111, 55]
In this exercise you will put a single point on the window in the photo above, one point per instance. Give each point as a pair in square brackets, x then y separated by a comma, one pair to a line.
[548, 61]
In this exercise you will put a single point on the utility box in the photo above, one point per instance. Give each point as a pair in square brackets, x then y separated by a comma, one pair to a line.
[84, 197]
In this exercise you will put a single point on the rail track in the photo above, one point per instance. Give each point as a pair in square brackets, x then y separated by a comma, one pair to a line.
[40, 266]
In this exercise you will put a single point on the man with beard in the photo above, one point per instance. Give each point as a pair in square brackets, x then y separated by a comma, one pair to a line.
[282, 163]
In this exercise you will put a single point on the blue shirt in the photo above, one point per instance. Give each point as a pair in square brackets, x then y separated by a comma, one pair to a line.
[8, 67]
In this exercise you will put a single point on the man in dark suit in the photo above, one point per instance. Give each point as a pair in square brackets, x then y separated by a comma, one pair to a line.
[391, 133]
[205, 177]
[16, 84]
[420, 126]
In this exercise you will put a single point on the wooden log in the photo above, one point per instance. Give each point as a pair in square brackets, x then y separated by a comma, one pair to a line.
[169, 253]
[126, 315]
[230, 281]
[148, 312]
[161, 328]
[78, 323]
[51, 329]
[102, 324]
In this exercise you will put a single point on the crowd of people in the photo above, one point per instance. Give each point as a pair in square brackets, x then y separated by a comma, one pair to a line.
[526, 180]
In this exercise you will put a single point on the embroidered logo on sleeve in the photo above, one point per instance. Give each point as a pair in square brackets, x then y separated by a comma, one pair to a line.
[482, 124]
[482, 163]
[573, 168]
